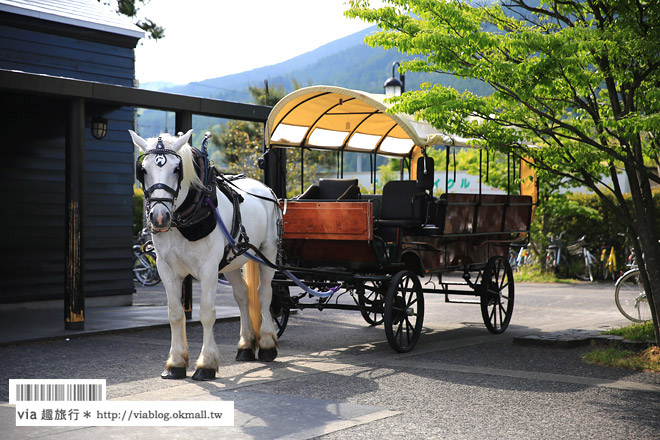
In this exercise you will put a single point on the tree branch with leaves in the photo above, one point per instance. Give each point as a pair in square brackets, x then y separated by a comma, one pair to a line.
[576, 87]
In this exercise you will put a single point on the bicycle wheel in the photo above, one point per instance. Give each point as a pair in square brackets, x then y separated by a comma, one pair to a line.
[513, 259]
[144, 269]
[630, 297]
[585, 266]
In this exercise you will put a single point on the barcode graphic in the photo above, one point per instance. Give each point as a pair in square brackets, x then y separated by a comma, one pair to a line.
[66, 390]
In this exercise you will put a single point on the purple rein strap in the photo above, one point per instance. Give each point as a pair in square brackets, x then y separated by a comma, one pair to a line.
[261, 259]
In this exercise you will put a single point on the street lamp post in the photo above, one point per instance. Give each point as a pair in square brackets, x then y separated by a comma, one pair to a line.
[395, 86]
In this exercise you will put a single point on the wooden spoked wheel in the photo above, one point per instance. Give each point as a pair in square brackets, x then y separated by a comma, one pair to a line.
[497, 294]
[280, 308]
[404, 311]
[371, 298]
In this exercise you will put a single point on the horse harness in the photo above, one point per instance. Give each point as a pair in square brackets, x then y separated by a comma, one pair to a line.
[194, 218]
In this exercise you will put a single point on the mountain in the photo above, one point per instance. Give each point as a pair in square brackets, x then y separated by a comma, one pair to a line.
[346, 62]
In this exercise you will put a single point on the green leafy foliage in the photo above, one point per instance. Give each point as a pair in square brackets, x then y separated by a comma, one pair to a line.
[138, 210]
[130, 9]
[239, 144]
[576, 88]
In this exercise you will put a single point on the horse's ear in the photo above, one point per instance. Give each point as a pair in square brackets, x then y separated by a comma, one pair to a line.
[182, 140]
[137, 140]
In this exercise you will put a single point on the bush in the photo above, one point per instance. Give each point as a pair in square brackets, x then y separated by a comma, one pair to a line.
[138, 210]
[579, 214]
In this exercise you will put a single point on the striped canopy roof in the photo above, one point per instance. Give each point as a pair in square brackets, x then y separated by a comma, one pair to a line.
[335, 118]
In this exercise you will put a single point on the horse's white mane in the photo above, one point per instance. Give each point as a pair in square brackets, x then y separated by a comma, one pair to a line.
[190, 176]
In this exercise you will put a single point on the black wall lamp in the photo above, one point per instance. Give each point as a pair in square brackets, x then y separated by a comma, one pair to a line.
[395, 86]
[99, 127]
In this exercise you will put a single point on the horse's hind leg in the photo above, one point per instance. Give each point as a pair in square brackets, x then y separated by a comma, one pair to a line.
[267, 332]
[246, 342]
[209, 357]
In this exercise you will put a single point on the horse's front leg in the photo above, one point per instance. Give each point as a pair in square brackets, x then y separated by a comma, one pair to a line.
[209, 358]
[177, 362]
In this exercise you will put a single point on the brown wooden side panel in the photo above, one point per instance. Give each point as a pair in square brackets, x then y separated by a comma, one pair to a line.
[445, 253]
[519, 214]
[492, 213]
[329, 252]
[459, 219]
[328, 220]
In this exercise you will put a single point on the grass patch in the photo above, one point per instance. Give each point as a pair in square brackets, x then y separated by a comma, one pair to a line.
[647, 360]
[635, 332]
[534, 274]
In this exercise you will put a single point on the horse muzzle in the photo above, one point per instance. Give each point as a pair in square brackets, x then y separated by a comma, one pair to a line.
[160, 218]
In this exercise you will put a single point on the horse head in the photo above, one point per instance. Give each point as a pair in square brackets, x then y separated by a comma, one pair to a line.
[160, 170]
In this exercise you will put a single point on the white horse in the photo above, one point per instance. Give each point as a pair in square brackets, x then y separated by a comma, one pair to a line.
[168, 172]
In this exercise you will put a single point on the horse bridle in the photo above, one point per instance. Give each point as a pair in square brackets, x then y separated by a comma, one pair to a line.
[162, 151]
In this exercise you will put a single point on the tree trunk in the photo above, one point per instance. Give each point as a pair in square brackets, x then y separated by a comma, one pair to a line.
[646, 214]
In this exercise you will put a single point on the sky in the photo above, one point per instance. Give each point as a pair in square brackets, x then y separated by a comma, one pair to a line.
[212, 38]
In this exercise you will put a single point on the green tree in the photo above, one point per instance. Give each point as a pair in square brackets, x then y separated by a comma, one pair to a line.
[578, 79]
[130, 9]
[239, 144]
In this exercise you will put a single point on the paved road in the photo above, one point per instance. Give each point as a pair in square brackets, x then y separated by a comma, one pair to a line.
[336, 378]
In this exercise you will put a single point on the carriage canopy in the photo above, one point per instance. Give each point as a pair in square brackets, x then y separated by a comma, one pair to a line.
[335, 118]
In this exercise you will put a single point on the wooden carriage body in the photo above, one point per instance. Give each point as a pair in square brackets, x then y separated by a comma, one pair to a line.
[465, 232]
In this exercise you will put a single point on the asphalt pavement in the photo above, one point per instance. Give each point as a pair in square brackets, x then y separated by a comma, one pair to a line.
[337, 378]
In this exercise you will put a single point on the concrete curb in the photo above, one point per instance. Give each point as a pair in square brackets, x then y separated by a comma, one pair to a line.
[580, 338]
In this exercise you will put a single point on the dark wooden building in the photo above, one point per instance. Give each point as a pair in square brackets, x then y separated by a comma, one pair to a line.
[83, 40]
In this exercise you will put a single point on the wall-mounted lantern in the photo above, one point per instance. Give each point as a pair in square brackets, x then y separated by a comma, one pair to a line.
[99, 127]
[393, 86]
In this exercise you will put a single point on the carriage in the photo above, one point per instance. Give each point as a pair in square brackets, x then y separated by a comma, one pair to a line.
[377, 247]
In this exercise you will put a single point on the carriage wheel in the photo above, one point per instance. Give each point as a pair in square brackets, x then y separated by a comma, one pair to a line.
[370, 302]
[497, 294]
[280, 308]
[404, 311]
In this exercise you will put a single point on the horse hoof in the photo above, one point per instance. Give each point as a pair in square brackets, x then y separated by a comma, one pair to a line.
[245, 355]
[173, 373]
[204, 374]
[267, 354]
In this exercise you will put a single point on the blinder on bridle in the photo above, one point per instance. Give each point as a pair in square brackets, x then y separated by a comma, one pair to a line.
[161, 159]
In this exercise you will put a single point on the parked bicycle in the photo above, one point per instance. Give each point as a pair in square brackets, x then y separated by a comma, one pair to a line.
[144, 260]
[584, 263]
[609, 266]
[520, 256]
[630, 296]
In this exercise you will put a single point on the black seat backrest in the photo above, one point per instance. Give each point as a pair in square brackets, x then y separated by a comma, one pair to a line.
[425, 174]
[403, 200]
[332, 189]
[339, 189]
